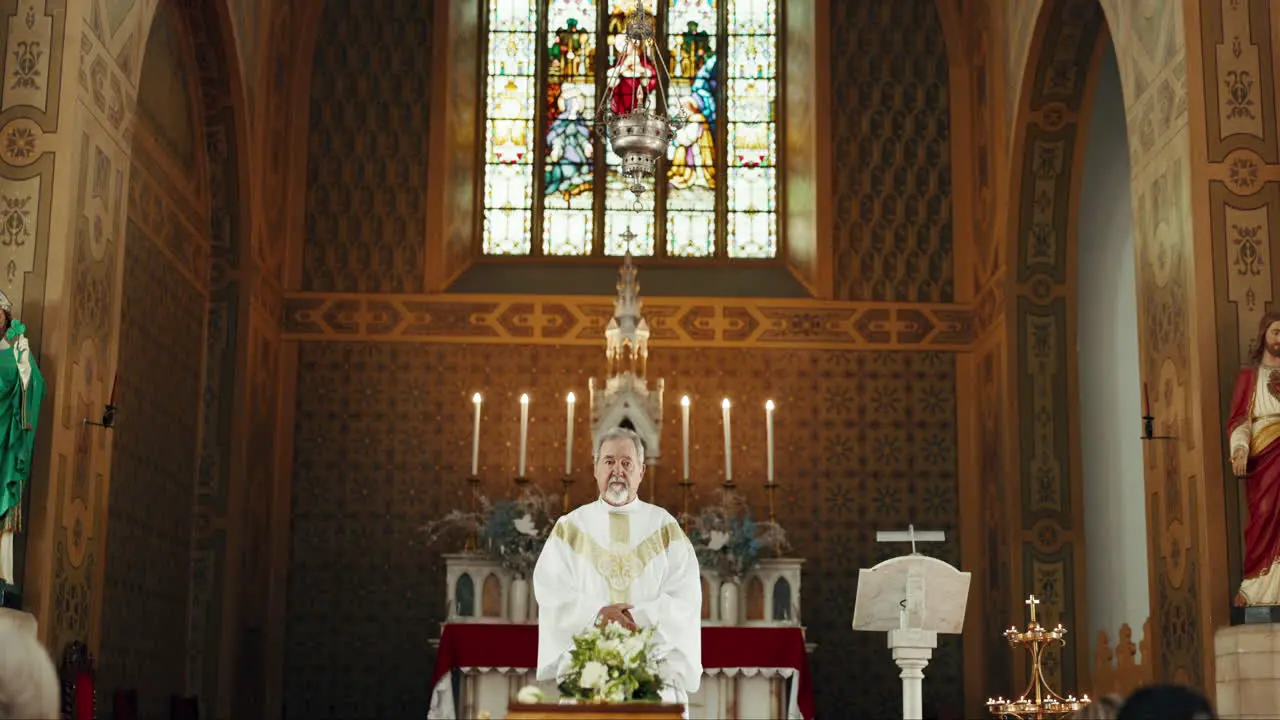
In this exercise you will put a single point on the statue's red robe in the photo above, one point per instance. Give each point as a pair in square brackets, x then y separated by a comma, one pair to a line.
[1262, 530]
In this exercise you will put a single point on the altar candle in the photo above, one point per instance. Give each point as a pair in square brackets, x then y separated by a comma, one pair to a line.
[1146, 402]
[728, 442]
[568, 439]
[524, 431]
[768, 439]
[115, 382]
[684, 421]
[475, 437]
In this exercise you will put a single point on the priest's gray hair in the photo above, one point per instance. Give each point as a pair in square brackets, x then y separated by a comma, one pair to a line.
[619, 433]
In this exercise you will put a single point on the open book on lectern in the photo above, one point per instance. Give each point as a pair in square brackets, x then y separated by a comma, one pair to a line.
[914, 592]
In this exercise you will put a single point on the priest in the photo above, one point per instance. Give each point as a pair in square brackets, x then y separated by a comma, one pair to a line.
[620, 559]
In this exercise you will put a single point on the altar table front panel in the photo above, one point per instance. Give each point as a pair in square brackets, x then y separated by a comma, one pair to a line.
[746, 670]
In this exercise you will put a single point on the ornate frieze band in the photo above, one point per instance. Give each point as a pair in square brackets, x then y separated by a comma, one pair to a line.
[580, 320]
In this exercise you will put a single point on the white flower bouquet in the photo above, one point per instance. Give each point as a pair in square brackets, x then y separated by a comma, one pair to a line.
[727, 539]
[612, 664]
[510, 531]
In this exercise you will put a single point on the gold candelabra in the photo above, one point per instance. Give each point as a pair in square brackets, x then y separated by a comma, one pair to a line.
[1038, 701]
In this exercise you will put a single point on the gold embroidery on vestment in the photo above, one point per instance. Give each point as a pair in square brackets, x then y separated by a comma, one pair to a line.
[619, 564]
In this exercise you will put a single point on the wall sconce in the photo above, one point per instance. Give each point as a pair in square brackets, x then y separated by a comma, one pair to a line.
[109, 412]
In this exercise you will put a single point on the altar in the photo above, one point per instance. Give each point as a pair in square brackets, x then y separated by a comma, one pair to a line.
[748, 672]
[754, 650]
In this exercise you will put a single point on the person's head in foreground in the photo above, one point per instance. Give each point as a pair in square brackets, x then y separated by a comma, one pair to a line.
[28, 680]
[1166, 702]
[619, 466]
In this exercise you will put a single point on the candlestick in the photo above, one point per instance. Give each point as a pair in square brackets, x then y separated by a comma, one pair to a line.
[684, 421]
[565, 482]
[475, 436]
[568, 430]
[728, 444]
[771, 487]
[473, 540]
[524, 432]
[768, 440]
[685, 486]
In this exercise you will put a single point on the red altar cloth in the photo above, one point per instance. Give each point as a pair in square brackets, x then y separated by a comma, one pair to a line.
[516, 646]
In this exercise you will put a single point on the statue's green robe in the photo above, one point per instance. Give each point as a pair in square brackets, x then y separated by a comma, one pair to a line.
[19, 412]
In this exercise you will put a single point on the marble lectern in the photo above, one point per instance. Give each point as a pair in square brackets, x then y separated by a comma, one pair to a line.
[912, 598]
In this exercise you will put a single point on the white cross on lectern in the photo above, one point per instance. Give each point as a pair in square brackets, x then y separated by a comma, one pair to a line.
[911, 536]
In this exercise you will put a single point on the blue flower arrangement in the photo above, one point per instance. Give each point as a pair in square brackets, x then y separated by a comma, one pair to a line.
[727, 539]
[509, 531]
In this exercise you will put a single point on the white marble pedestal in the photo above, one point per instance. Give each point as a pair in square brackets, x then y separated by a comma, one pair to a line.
[912, 650]
[1248, 670]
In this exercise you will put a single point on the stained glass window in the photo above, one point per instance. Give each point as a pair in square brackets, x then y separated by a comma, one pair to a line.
[715, 196]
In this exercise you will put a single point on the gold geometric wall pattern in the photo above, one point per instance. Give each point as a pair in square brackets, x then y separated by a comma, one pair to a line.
[366, 167]
[580, 320]
[1244, 157]
[891, 188]
[29, 112]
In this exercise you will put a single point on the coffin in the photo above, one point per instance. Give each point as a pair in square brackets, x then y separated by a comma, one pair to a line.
[592, 711]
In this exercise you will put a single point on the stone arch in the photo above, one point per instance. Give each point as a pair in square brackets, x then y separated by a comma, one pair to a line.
[1047, 151]
[180, 365]
[1044, 528]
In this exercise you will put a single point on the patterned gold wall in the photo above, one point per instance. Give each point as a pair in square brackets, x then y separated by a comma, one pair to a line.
[162, 344]
[866, 441]
[367, 163]
[890, 130]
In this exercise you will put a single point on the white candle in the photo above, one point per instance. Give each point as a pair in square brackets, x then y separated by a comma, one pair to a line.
[728, 442]
[768, 439]
[475, 437]
[684, 422]
[524, 431]
[568, 436]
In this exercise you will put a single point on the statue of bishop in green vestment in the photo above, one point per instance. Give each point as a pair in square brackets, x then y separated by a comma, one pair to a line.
[21, 390]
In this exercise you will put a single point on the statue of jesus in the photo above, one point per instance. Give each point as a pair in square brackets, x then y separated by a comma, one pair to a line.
[1253, 430]
[621, 560]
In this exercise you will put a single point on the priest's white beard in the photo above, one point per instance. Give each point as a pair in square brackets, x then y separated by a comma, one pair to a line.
[617, 492]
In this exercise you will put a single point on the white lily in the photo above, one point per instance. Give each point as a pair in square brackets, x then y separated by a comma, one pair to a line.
[524, 525]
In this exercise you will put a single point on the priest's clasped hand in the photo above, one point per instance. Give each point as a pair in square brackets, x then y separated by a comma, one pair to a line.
[619, 613]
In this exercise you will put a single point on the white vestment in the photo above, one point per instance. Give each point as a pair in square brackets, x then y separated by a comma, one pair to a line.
[599, 555]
